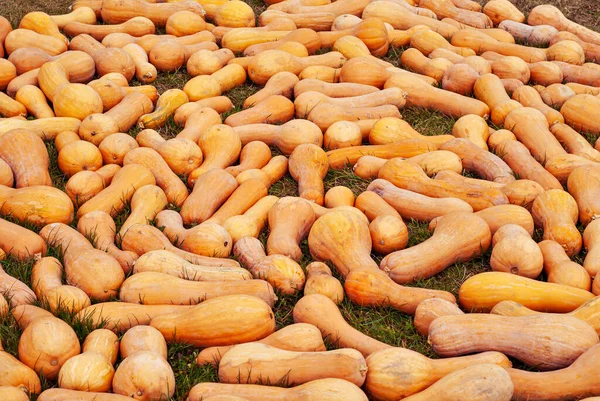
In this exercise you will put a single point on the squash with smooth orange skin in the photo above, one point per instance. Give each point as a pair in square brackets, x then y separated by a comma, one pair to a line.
[588, 208]
[27, 156]
[43, 24]
[5, 29]
[115, 11]
[82, 261]
[253, 43]
[339, 196]
[562, 166]
[415, 206]
[167, 103]
[591, 50]
[38, 205]
[281, 272]
[46, 278]
[292, 365]
[79, 156]
[251, 223]
[371, 31]
[511, 67]
[529, 97]
[447, 9]
[275, 109]
[20, 38]
[46, 344]
[556, 95]
[579, 113]
[142, 338]
[99, 352]
[474, 128]
[113, 198]
[229, 324]
[290, 220]
[489, 89]
[96, 127]
[391, 129]
[143, 238]
[560, 269]
[272, 172]
[515, 252]
[221, 147]
[174, 188]
[406, 175]
[113, 88]
[254, 155]
[531, 128]
[430, 309]
[301, 337]
[320, 281]
[167, 262]
[206, 239]
[81, 14]
[343, 89]
[590, 240]
[502, 10]
[324, 114]
[183, 23]
[268, 63]
[120, 316]
[99, 226]
[374, 206]
[318, 21]
[483, 291]
[322, 389]
[146, 373]
[378, 73]
[539, 35]
[480, 42]
[401, 18]
[114, 147]
[145, 203]
[423, 95]
[34, 101]
[13, 393]
[388, 234]
[107, 60]
[550, 15]
[145, 72]
[395, 373]
[84, 185]
[148, 288]
[573, 142]
[20, 242]
[321, 73]
[10, 107]
[206, 86]
[6, 175]
[404, 267]
[16, 292]
[559, 227]
[282, 83]
[8, 72]
[523, 337]
[426, 41]
[206, 62]
[243, 198]
[137, 26]
[210, 191]
[200, 119]
[416, 61]
[308, 165]
[322, 312]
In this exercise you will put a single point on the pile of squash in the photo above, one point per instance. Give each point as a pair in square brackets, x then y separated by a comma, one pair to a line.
[158, 238]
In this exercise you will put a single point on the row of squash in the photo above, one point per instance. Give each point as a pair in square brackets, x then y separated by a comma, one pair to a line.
[174, 278]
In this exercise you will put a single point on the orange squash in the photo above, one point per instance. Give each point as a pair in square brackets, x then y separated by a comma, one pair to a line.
[200, 119]
[146, 373]
[142, 338]
[137, 26]
[579, 113]
[515, 252]
[274, 170]
[206, 86]
[206, 239]
[590, 239]
[560, 269]
[550, 15]
[481, 43]
[20, 38]
[318, 21]
[27, 156]
[38, 205]
[308, 166]
[183, 23]
[46, 278]
[20, 242]
[84, 185]
[573, 142]
[114, 147]
[210, 191]
[144, 71]
[166, 106]
[290, 220]
[107, 60]
[275, 109]
[221, 147]
[116, 11]
[320, 281]
[34, 101]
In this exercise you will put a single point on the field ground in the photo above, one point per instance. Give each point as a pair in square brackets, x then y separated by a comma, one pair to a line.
[384, 324]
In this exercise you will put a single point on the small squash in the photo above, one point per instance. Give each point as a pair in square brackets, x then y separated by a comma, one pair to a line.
[515, 252]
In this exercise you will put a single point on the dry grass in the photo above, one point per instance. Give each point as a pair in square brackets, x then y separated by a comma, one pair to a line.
[385, 324]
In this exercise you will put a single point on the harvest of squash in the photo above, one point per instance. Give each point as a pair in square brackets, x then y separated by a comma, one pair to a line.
[197, 191]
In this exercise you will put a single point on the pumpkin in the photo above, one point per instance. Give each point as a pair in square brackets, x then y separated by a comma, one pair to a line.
[99, 353]
[323, 389]
[483, 291]
[113, 198]
[283, 273]
[560, 269]
[521, 337]
[38, 204]
[205, 239]
[162, 261]
[145, 204]
[515, 252]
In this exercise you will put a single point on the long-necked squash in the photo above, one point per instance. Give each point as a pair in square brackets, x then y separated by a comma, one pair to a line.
[38, 205]
[560, 269]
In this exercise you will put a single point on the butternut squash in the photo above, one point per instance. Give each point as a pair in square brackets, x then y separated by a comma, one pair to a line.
[430, 309]
[251, 223]
[483, 291]
[38, 205]
[590, 239]
[560, 269]
[302, 337]
[19, 242]
[20, 38]
[183, 23]
[474, 128]
[550, 15]
[339, 196]
[145, 72]
[146, 374]
[210, 191]
[320, 281]
[229, 324]
[107, 60]
[34, 101]
[529, 97]
[323, 389]
[275, 109]
[200, 119]
[142, 338]
[404, 267]
[373, 206]
[114, 197]
[27, 156]
[308, 165]
[206, 86]
[166, 262]
[81, 14]
[579, 113]
[84, 185]
[558, 227]
[287, 230]
[145, 204]
[283, 273]
[206, 239]
[274, 170]
[485, 164]
[480, 42]
[573, 142]
[167, 103]
[137, 26]
[114, 147]
[115, 11]
[515, 252]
